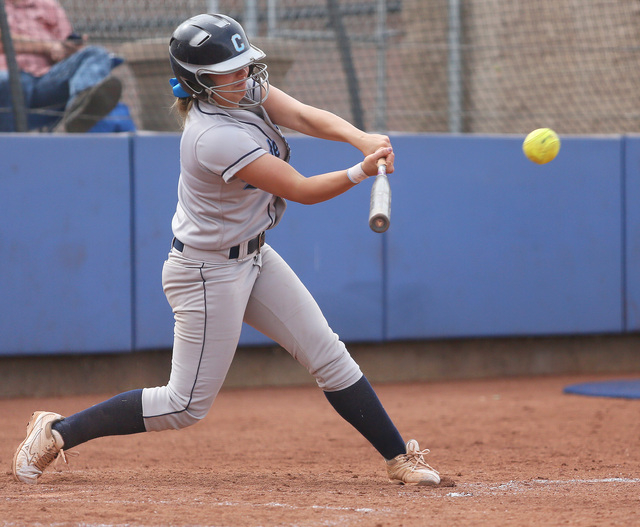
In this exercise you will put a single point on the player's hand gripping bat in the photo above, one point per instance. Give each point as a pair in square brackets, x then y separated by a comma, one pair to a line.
[380, 207]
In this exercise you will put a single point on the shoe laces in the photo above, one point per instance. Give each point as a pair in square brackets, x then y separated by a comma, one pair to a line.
[50, 453]
[63, 455]
[416, 457]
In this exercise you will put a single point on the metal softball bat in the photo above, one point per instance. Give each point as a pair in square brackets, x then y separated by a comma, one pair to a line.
[380, 207]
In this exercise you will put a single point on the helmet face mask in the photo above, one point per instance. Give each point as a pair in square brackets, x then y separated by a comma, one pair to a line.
[214, 45]
[258, 78]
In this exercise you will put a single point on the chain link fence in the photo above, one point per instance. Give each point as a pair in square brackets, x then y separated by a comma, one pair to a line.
[462, 66]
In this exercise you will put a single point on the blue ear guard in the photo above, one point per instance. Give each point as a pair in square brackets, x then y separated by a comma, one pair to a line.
[178, 90]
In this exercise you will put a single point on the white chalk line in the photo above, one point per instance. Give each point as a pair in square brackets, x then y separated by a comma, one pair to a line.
[472, 489]
[234, 504]
[605, 480]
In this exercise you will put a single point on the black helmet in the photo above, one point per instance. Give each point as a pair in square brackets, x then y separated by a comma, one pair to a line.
[213, 43]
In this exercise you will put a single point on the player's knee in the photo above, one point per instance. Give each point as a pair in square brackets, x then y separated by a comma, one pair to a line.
[190, 410]
[172, 421]
[166, 409]
[186, 419]
[338, 373]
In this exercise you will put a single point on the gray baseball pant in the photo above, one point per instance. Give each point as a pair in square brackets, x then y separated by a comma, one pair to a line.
[210, 296]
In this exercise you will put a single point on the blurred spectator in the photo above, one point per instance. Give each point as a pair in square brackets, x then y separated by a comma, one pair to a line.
[67, 86]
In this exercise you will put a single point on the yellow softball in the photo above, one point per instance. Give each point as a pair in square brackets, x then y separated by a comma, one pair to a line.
[541, 145]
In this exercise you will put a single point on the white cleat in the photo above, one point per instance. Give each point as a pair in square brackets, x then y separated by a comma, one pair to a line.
[41, 446]
[412, 468]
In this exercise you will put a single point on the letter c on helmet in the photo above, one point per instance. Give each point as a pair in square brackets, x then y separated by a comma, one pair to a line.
[237, 42]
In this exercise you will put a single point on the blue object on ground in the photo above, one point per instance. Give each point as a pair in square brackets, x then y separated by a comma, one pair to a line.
[626, 389]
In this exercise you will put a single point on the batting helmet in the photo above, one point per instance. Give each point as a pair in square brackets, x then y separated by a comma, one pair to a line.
[217, 44]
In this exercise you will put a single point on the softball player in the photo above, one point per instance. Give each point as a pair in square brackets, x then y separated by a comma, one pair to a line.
[232, 188]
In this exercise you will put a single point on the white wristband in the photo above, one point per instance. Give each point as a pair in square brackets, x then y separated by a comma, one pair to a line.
[356, 174]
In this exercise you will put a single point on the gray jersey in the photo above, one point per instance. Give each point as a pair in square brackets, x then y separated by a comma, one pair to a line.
[216, 210]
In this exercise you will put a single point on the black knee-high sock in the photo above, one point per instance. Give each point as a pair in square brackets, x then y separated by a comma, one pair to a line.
[359, 405]
[119, 415]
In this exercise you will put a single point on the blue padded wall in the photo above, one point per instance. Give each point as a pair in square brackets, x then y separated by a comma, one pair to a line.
[156, 168]
[632, 232]
[64, 244]
[484, 242]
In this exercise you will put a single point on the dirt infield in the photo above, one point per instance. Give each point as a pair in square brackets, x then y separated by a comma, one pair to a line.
[521, 452]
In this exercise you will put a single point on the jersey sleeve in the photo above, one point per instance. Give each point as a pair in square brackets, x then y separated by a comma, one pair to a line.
[226, 149]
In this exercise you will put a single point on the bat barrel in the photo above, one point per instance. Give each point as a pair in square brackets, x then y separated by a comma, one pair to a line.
[380, 207]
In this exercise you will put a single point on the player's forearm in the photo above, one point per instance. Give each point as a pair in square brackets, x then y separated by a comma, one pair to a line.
[279, 178]
[315, 122]
[326, 125]
[323, 187]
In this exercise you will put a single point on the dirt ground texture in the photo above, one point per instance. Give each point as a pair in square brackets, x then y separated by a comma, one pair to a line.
[521, 452]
